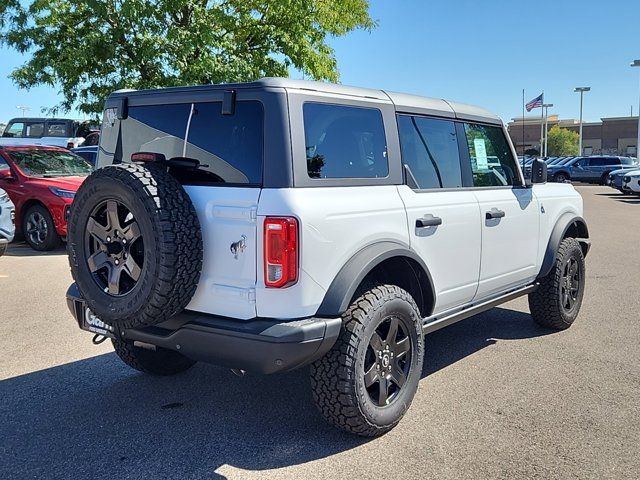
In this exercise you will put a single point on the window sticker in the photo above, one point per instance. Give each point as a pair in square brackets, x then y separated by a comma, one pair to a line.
[482, 162]
[110, 116]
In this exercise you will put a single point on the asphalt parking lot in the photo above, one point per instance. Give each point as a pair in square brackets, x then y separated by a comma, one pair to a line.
[500, 397]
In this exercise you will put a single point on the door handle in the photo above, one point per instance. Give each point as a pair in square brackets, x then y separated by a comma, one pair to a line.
[494, 213]
[428, 221]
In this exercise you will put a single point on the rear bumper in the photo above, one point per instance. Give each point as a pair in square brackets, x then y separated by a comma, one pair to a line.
[259, 345]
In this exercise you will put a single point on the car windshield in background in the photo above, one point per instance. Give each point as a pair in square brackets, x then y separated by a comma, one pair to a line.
[47, 163]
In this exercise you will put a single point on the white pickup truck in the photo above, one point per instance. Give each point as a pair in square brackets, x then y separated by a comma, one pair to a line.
[59, 132]
[270, 225]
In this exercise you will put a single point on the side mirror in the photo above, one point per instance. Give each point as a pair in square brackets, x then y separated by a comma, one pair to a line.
[538, 171]
[6, 174]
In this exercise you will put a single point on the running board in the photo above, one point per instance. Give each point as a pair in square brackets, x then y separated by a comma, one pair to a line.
[435, 322]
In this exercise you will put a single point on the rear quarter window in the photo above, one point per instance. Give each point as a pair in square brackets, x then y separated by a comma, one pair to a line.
[344, 142]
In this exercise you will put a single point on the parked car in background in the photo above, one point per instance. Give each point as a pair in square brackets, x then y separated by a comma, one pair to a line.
[616, 178]
[631, 182]
[7, 221]
[88, 153]
[61, 132]
[594, 169]
[41, 182]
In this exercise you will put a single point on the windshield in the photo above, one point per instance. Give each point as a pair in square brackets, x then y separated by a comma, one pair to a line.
[48, 163]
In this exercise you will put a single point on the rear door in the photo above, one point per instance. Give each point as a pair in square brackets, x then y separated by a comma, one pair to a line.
[509, 212]
[224, 189]
[443, 217]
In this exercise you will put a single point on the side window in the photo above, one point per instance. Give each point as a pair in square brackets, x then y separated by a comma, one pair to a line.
[344, 142]
[34, 130]
[56, 129]
[14, 130]
[613, 161]
[4, 165]
[430, 152]
[492, 162]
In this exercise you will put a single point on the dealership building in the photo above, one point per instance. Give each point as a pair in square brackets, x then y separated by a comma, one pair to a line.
[610, 136]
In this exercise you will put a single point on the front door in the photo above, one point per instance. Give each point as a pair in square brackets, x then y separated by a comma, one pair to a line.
[509, 212]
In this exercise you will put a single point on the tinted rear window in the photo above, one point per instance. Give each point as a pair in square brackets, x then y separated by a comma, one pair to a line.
[228, 147]
[344, 142]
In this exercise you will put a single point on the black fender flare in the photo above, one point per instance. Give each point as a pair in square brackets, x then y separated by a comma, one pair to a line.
[344, 285]
[559, 232]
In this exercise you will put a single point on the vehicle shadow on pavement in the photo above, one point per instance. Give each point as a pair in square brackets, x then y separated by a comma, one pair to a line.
[22, 249]
[456, 342]
[97, 418]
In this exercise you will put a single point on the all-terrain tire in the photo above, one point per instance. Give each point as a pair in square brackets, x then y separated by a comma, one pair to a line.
[160, 361]
[546, 303]
[337, 379]
[171, 244]
[44, 241]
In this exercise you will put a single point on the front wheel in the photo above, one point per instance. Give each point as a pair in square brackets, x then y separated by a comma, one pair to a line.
[556, 302]
[161, 361]
[366, 382]
[560, 177]
[39, 229]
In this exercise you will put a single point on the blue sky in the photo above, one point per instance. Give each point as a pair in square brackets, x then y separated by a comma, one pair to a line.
[482, 52]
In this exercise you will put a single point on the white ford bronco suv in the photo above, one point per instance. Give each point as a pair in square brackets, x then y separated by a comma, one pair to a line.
[270, 225]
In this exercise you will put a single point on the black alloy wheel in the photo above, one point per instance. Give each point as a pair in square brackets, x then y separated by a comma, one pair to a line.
[36, 228]
[115, 247]
[570, 284]
[39, 229]
[387, 362]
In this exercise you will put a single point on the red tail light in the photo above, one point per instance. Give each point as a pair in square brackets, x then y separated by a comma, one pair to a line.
[280, 251]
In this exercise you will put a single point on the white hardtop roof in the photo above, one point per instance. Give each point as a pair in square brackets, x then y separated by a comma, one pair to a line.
[402, 101]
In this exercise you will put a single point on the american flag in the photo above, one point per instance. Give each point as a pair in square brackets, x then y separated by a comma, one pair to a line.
[535, 103]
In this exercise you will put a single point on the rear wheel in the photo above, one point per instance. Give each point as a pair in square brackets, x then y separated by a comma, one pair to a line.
[39, 229]
[160, 361]
[366, 382]
[557, 301]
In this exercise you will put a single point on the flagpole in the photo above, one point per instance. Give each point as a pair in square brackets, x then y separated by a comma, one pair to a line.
[541, 124]
[523, 127]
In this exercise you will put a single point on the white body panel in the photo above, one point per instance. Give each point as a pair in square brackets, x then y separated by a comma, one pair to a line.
[554, 199]
[227, 282]
[634, 182]
[469, 258]
[335, 223]
[451, 250]
[509, 244]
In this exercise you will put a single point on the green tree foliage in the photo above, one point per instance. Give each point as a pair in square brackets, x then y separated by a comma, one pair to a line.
[88, 48]
[562, 142]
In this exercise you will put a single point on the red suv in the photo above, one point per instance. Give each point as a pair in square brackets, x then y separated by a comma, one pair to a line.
[42, 182]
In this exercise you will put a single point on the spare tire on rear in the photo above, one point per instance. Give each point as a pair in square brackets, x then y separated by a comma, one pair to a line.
[135, 246]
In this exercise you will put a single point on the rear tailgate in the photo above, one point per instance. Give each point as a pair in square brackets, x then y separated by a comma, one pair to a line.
[229, 233]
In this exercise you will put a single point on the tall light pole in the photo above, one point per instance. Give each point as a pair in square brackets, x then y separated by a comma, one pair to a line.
[636, 63]
[23, 108]
[545, 107]
[581, 90]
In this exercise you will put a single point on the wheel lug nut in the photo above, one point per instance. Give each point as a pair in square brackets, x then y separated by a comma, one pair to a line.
[117, 262]
[108, 239]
